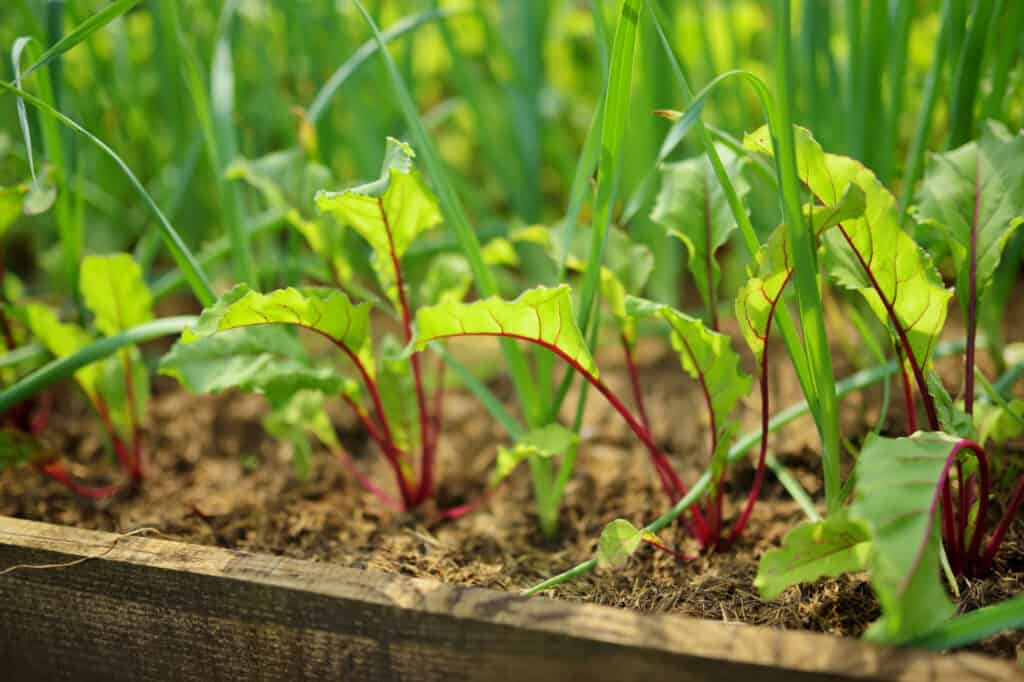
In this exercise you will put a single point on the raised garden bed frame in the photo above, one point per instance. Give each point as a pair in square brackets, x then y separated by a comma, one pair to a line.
[140, 608]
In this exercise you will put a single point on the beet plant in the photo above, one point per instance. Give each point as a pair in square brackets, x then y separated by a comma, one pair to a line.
[117, 387]
[929, 494]
[241, 341]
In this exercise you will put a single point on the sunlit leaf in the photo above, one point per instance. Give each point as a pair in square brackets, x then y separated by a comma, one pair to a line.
[542, 315]
[262, 358]
[773, 268]
[813, 550]
[872, 254]
[619, 540]
[61, 339]
[389, 213]
[115, 291]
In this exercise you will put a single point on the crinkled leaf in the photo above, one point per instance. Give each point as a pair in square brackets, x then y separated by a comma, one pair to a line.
[328, 312]
[813, 550]
[694, 209]
[976, 193]
[389, 213]
[898, 484]
[297, 418]
[115, 291]
[542, 315]
[951, 414]
[547, 441]
[619, 540]
[872, 254]
[263, 359]
[61, 339]
[113, 387]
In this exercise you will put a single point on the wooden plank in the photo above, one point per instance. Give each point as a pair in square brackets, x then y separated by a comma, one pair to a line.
[149, 609]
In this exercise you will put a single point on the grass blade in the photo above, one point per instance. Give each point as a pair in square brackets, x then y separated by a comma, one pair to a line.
[63, 368]
[179, 250]
[82, 32]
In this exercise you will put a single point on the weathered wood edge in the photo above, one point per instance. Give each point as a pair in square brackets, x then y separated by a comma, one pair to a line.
[186, 602]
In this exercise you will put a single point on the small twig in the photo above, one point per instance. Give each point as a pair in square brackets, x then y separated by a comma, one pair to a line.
[68, 564]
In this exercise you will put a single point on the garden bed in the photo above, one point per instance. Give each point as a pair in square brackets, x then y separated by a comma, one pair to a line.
[217, 480]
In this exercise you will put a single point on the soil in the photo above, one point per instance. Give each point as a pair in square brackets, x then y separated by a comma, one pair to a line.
[215, 478]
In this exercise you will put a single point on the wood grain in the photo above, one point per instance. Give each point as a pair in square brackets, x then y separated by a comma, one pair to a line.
[150, 609]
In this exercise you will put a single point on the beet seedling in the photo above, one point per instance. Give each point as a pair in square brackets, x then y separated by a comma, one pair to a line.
[114, 291]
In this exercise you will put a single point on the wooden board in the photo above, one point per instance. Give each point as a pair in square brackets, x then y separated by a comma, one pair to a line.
[149, 609]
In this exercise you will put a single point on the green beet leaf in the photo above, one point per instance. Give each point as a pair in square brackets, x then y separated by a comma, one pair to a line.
[389, 213]
[708, 357]
[115, 291]
[693, 208]
[813, 550]
[999, 423]
[976, 194]
[62, 339]
[448, 280]
[217, 354]
[619, 540]
[871, 254]
[547, 441]
[542, 315]
[705, 355]
[897, 496]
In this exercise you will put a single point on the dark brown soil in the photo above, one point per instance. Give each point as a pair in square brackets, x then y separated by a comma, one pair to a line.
[214, 477]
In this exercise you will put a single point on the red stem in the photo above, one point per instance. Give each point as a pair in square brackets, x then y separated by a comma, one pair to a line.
[1004, 525]
[426, 485]
[908, 394]
[363, 480]
[634, 380]
[58, 472]
[972, 296]
[973, 552]
[755, 489]
[391, 453]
